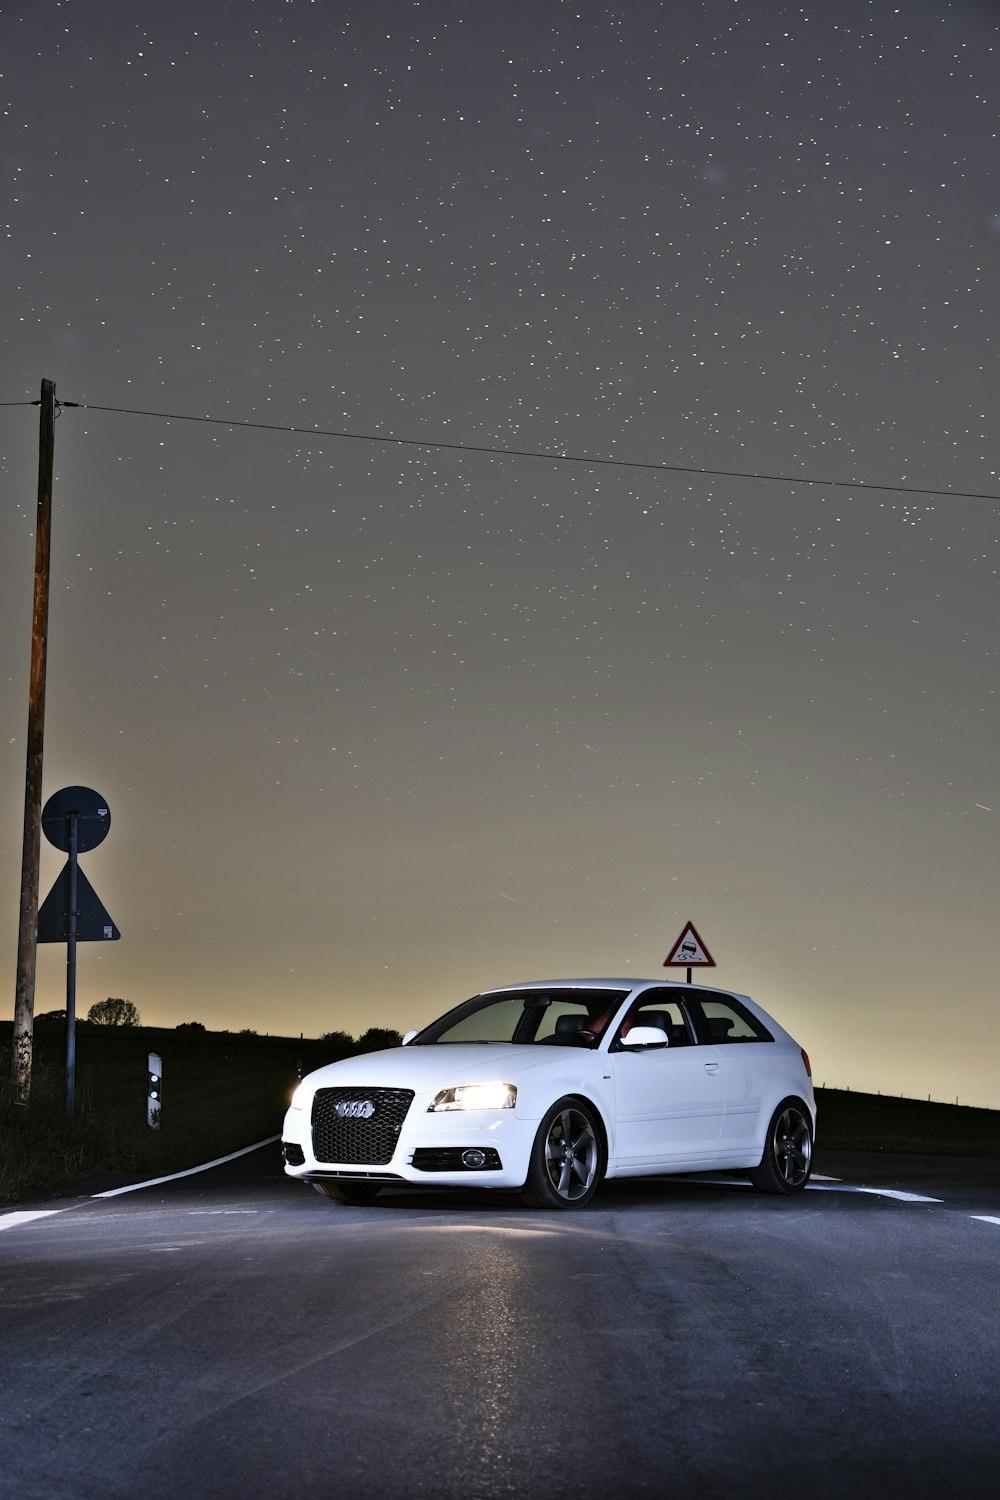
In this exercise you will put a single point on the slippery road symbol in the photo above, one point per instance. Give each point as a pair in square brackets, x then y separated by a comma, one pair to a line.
[688, 951]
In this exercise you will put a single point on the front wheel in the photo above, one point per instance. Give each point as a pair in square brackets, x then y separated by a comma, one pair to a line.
[348, 1192]
[567, 1158]
[787, 1160]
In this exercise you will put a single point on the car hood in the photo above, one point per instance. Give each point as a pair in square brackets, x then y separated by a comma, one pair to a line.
[422, 1068]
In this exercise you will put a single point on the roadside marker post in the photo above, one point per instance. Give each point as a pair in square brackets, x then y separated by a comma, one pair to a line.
[154, 1089]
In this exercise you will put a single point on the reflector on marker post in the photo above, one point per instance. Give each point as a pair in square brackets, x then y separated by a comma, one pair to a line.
[154, 1090]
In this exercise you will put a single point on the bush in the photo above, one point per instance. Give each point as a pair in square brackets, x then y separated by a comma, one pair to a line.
[114, 1013]
[340, 1039]
[376, 1038]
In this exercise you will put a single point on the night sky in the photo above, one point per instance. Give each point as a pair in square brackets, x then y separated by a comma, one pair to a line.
[381, 724]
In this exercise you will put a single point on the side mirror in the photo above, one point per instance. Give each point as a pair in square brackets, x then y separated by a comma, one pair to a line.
[408, 1038]
[645, 1036]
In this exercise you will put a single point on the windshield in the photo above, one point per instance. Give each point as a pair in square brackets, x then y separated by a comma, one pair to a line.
[559, 1017]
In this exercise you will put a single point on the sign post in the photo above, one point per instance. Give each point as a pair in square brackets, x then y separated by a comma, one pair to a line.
[75, 819]
[688, 951]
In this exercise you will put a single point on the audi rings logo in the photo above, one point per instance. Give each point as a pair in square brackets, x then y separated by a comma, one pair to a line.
[355, 1109]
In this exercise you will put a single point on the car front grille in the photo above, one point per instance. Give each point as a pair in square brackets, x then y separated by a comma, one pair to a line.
[365, 1130]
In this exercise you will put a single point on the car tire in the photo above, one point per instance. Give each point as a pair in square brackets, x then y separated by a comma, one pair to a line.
[348, 1192]
[567, 1158]
[787, 1160]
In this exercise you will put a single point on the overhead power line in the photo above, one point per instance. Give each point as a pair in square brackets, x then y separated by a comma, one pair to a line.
[546, 455]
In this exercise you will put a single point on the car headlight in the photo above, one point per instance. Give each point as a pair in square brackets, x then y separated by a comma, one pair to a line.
[475, 1096]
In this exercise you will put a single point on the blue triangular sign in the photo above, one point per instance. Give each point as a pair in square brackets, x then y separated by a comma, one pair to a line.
[93, 925]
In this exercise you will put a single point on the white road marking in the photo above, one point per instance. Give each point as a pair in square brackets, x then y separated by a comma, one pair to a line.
[190, 1172]
[843, 1187]
[824, 1185]
[26, 1216]
[985, 1218]
[818, 1184]
[895, 1193]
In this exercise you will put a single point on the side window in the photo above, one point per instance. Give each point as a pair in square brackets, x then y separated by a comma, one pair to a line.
[721, 1018]
[659, 1008]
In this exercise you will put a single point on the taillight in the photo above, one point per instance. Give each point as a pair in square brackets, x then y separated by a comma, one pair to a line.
[806, 1062]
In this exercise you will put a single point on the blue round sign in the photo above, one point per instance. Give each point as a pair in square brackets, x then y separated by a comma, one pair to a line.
[93, 818]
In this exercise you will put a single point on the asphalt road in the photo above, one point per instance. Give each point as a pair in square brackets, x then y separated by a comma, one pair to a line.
[233, 1334]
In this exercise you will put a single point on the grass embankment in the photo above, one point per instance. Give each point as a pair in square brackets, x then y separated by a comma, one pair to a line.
[220, 1092]
[223, 1091]
[917, 1127]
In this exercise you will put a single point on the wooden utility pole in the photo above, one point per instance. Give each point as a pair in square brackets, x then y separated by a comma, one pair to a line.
[24, 996]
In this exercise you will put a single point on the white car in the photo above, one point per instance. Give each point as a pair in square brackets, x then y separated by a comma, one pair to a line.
[550, 1087]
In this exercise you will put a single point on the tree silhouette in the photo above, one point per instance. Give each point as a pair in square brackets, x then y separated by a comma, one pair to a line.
[376, 1038]
[341, 1040]
[113, 1012]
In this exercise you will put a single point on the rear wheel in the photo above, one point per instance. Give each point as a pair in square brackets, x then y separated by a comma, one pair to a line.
[348, 1192]
[567, 1158]
[787, 1160]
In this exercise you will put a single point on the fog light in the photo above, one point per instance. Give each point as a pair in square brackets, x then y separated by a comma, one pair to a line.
[474, 1159]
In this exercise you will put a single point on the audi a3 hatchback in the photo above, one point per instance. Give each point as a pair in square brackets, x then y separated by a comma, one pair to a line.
[548, 1088]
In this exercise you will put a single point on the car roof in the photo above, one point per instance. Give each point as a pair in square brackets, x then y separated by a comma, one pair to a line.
[603, 984]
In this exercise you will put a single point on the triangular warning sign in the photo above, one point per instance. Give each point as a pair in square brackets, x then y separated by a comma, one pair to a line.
[93, 925]
[689, 951]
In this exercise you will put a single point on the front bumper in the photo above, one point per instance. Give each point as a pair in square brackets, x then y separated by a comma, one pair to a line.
[432, 1150]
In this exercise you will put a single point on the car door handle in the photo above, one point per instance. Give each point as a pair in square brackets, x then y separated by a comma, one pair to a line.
[712, 1067]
